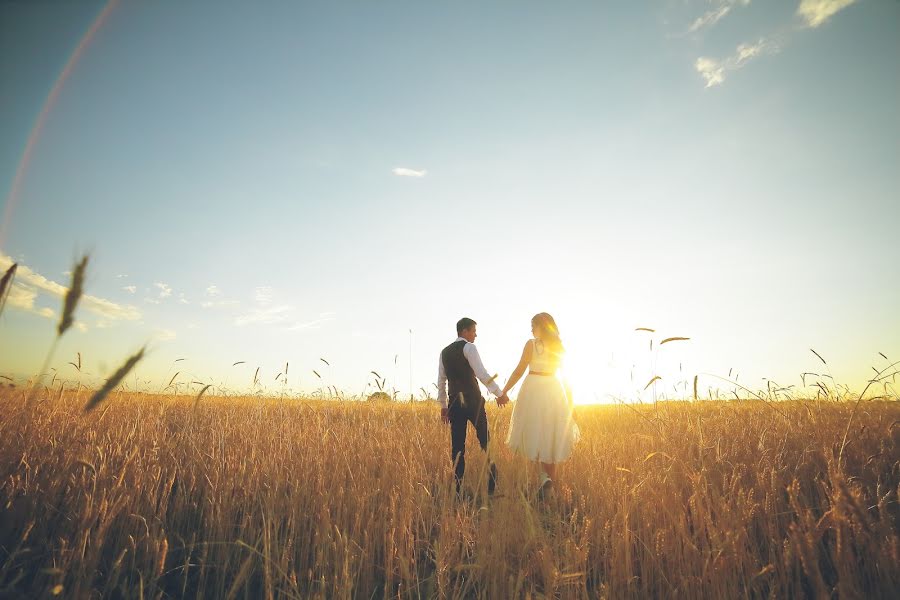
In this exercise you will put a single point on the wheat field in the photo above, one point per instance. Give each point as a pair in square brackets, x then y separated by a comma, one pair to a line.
[162, 496]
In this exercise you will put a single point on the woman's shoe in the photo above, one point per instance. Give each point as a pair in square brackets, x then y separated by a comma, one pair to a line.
[545, 489]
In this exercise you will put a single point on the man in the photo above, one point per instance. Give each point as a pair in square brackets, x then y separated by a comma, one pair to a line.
[459, 366]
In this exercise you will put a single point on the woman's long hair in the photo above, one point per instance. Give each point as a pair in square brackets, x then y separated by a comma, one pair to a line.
[547, 332]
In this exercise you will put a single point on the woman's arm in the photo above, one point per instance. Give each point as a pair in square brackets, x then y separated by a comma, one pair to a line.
[520, 368]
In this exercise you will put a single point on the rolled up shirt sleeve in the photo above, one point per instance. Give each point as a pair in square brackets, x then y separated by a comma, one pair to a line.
[442, 383]
[471, 353]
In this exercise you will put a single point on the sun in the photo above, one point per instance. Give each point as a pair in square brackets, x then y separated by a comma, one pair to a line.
[598, 362]
[581, 375]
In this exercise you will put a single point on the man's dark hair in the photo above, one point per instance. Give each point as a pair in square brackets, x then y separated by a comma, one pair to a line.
[463, 324]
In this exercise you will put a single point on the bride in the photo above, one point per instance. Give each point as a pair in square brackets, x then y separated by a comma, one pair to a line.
[542, 427]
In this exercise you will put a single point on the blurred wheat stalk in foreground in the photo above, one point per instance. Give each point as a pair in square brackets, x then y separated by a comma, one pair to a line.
[243, 497]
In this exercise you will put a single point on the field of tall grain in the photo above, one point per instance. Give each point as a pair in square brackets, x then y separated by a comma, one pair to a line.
[156, 497]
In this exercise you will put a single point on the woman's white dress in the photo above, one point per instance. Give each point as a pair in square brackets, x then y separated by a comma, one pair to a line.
[542, 427]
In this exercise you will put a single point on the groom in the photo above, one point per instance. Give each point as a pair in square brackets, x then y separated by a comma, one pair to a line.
[459, 366]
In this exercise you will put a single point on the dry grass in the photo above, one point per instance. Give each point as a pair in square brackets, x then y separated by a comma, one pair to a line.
[160, 497]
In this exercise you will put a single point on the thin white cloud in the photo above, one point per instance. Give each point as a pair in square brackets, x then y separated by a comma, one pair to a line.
[264, 315]
[747, 51]
[263, 295]
[164, 335]
[714, 71]
[712, 16]
[110, 310]
[130, 289]
[406, 172]
[22, 297]
[265, 311]
[709, 18]
[218, 303]
[99, 306]
[182, 299]
[816, 12]
[165, 290]
[813, 13]
[213, 291]
[315, 323]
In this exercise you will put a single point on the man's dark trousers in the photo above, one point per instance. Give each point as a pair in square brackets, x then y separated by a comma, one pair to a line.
[462, 411]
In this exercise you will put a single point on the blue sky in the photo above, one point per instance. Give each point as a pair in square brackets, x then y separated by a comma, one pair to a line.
[283, 182]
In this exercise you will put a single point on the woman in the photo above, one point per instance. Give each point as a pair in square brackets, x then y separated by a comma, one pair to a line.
[542, 428]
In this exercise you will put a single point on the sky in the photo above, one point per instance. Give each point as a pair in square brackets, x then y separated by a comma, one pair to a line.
[279, 183]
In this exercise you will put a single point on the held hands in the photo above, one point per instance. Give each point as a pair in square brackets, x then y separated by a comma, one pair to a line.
[445, 416]
[502, 399]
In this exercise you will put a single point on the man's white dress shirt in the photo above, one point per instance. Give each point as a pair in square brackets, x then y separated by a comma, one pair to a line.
[471, 354]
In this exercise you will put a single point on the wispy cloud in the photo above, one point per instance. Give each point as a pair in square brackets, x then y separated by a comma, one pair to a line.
[711, 70]
[263, 295]
[406, 172]
[164, 335]
[813, 13]
[264, 315]
[111, 310]
[23, 297]
[266, 311]
[816, 12]
[214, 298]
[709, 18]
[715, 14]
[218, 303]
[714, 71]
[315, 323]
[130, 289]
[165, 290]
[26, 278]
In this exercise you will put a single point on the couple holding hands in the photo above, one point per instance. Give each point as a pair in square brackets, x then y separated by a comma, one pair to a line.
[541, 428]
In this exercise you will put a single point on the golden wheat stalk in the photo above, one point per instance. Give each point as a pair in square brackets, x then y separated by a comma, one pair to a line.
[6, 284]
[200, 395]
[113, 381]
[72, 296]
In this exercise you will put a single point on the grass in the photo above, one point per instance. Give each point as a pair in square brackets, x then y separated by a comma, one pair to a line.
[156, 497]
